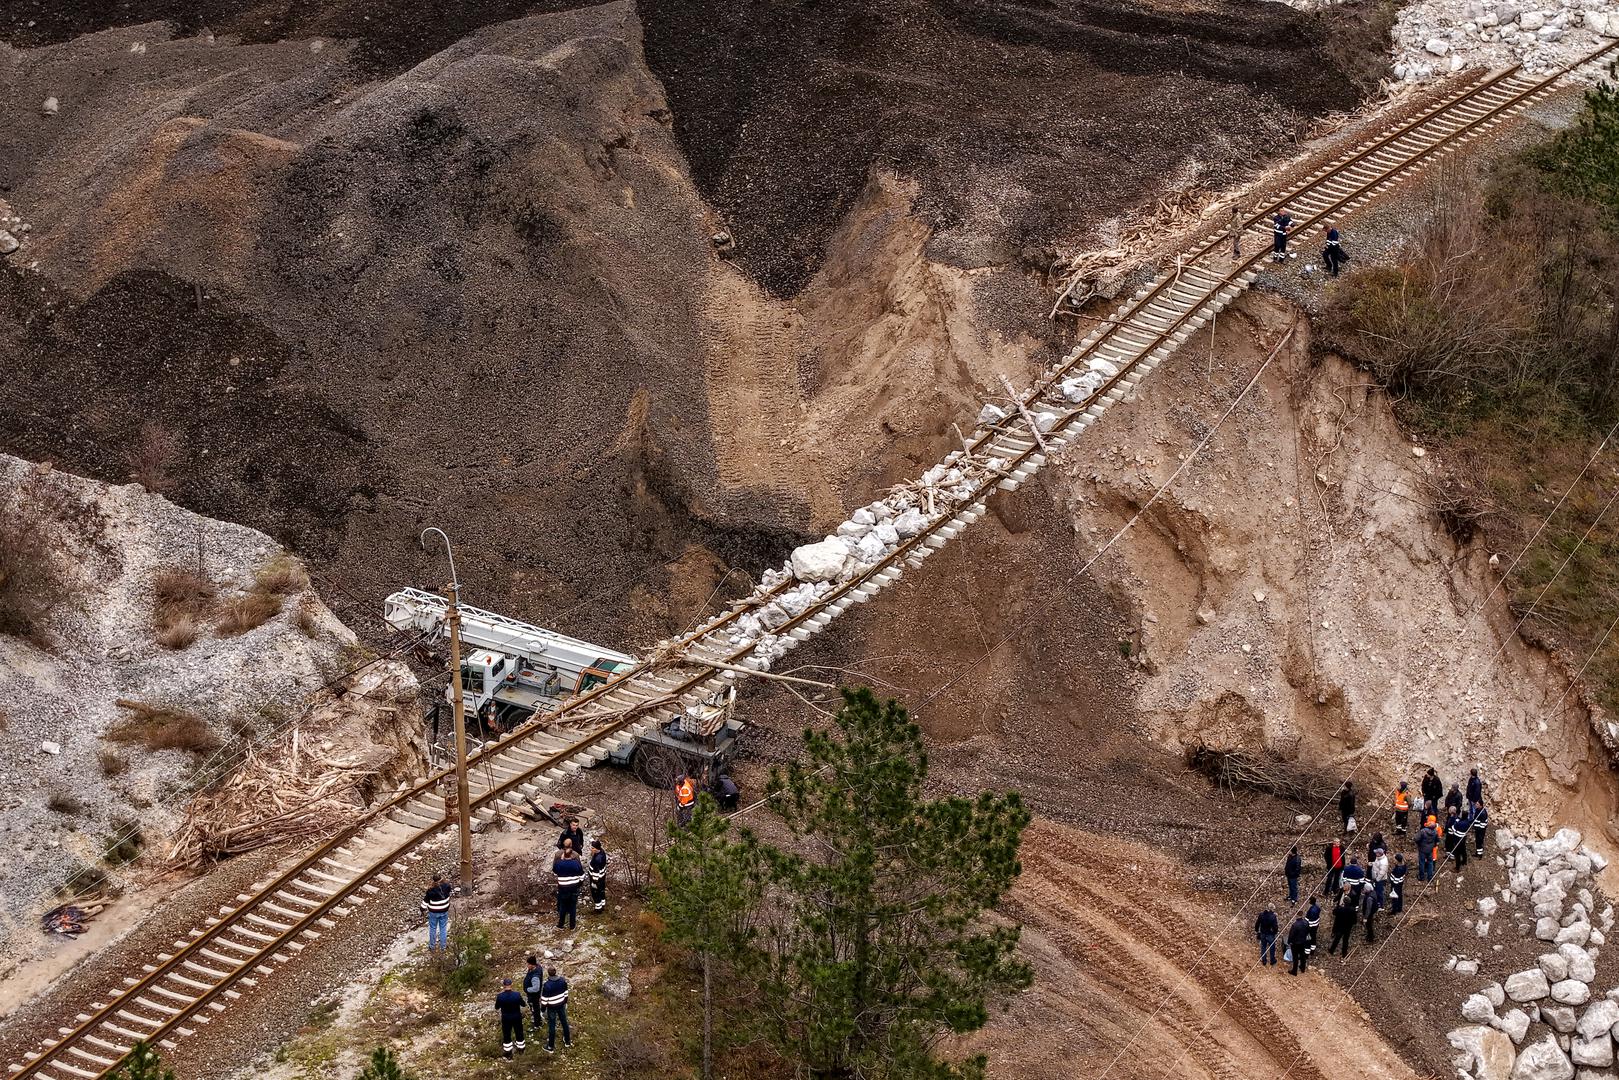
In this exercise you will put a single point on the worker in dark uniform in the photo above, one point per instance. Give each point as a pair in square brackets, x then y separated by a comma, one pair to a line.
[1475, 787]
[1333, 254]
[1456, 829]
[1291, 870]
[1453, 800]
[730, 794]
[1433, 789]
[1397, 885]
[598, 875]
[1300, 940]
[436, 902]
[1266, 927]
[533, 979]
[1312, 923]
[1481, 825]
[554, 997]
[1344, 916]
[509, 1003]
[1346, 803]
[571, 832]
[1281, 223]
[1350, 884]
[570, 874]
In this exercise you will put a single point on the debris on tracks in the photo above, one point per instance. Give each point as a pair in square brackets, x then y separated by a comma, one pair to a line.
[1232, 770]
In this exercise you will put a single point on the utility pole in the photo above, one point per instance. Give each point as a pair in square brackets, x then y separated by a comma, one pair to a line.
[463, 794]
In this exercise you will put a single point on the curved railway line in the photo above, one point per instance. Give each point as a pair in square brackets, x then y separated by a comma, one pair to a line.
[222, 959]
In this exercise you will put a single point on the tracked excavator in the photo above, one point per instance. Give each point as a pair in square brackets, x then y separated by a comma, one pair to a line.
[512, 671]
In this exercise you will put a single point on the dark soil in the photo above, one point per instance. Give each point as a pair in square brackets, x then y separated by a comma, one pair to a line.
[1023, 122]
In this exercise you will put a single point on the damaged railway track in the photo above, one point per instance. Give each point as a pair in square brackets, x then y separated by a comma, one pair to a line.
[221, 960]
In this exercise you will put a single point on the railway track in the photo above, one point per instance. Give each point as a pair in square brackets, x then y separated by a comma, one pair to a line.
[181, 990]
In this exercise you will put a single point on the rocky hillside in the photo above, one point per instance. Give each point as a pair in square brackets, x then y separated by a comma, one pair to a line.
[143, 648]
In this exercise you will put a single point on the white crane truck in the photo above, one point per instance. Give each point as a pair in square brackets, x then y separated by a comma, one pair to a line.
[511, 670]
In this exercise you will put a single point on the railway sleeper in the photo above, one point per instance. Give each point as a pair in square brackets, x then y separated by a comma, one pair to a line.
[94, 1059]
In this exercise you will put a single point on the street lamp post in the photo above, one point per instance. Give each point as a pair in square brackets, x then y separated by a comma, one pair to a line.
[463, 796]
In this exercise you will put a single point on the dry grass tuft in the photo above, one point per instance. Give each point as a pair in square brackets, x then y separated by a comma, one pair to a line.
[242, 613]
[151, 458]
[308, 623]
[112, 762]
[178, 634]
[281, 576]
[158, 727]
[181, 599]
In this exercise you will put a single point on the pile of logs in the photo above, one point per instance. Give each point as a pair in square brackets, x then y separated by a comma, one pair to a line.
[1232, 770]
[283, 792]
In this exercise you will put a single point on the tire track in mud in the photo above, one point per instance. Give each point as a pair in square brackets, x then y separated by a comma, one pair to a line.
[1076, 894]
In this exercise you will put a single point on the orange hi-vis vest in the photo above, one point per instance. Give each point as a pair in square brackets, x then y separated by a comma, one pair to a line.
[686, 792]
[1402, 801]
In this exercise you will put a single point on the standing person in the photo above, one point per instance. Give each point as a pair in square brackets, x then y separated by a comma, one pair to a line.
[1481, 824]
[1402, 808]
[572, 836]
[1334, 853]
[685, 799]
[1475, 787]
[509, 1003]
[1453, 800]
[533, 979]
[598, 875]
[1459, 825]
[1368, 912]
[1353, 880]
[1291, 870]
[1346, 804]
[554, 996]
[1266, 927]
[1397, 885]
[1373, 846]
[1427, 842]
[1300, 940]
[730, 794]
[1281, 223]
[1344, 916]
[1433, 789]
[436, 902]
[1379, 873]
[1333, 254]
[1312, 922]
[570, 874]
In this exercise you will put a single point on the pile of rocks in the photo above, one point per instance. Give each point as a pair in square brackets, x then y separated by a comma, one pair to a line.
[1437, 37]
[13, 231]
[1547, 1022]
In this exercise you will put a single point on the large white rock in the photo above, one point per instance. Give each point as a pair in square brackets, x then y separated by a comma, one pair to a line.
[910, 522]
[1533, 20]
[1527, 985]
[1483, 1051]
[1515, 1023]
[1580, 964]
[1478, 1009]
[1571, 992]
[1598, 1018]
[1546, 928]
[819, 562]
[1564, 841]
[1543, 1060]
[1555, 965]
[1574, 934]
[1437, 46]
[870, 549]
[1497, 996]
[990, 415]
[1560, 1017]
[1597, 1051]
[1487, 906]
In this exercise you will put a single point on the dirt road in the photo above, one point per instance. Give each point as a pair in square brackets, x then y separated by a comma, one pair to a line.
[1121, 940]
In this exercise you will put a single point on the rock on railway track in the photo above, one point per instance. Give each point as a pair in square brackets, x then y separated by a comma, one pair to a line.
[223, 958]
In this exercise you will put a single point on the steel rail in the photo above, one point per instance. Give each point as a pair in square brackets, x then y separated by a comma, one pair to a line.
[510, 750]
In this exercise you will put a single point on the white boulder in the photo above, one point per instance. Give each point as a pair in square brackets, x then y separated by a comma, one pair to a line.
[1514, 1023]
[1598, 1018]
[1478, 1009]
[1580, 964]
[1543, 1060]
[1437, 46]
[990, 415]
[1574, 934]
[1497, 996]
[1560, 1017]
[1487, 906]
[1531, 20]
[1527, 985]
[1597, 1052]
[1483, 1051]
[1571, 992]
[820, 562]
[1555, 965]
[910, 522]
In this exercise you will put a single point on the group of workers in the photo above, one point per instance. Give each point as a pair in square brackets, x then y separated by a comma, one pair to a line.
[1282, 226]
[1359, 893]
[545, 992]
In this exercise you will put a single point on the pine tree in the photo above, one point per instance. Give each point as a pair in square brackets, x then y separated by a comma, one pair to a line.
[709, 892]
[1584, 160]
[884, 947]
[143, 1063]
[384, 1066]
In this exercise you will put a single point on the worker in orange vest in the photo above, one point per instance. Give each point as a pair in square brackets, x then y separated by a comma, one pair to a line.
[1402, 808]
[685, 798]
